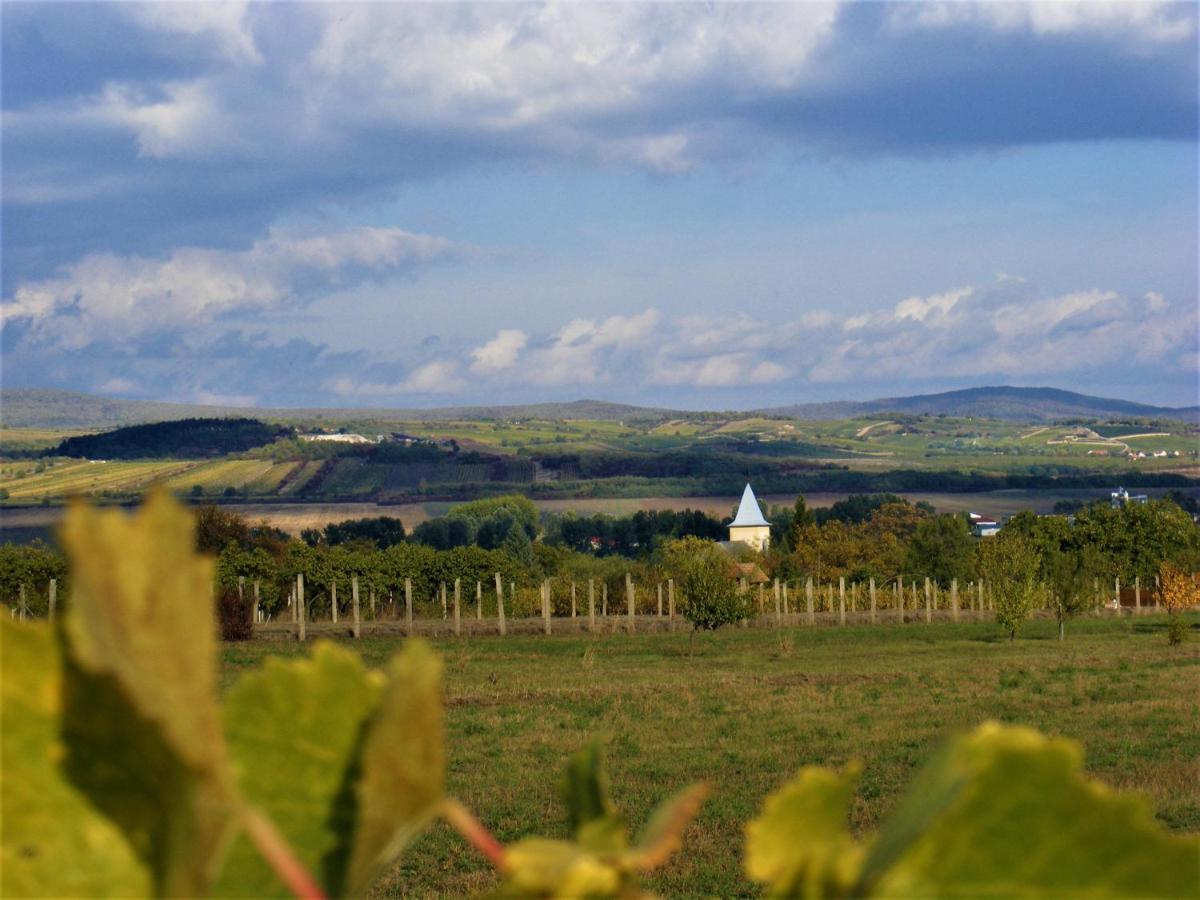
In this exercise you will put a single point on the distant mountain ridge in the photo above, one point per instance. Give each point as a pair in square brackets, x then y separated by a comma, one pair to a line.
[1019, 404]
[40, 408]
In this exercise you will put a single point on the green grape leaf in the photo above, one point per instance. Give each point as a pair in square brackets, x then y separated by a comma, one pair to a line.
[800, 846]
[403, 764]
[54, 842]
[1025, 822]
[538, 867]
[141, 723]
[347, 763]
[295, 731]
[664, 832]
[584, 787]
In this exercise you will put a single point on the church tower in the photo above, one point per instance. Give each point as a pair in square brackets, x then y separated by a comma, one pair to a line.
[749, 526]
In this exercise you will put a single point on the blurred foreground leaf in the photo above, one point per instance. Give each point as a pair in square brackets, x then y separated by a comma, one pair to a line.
[140, 717]
[55, 843]
[1001, 812]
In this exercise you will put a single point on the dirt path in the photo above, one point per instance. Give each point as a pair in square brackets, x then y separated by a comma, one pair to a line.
[862, 432]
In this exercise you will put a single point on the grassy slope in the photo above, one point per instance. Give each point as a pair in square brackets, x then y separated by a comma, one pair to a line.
[754, 705]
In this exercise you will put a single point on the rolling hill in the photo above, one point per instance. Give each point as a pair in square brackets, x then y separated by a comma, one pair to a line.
[34, 408]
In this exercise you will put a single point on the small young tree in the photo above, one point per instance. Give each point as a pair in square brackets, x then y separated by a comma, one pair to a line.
[709, 593]
[1071, 574]
[1009, 561]
[1178, 592]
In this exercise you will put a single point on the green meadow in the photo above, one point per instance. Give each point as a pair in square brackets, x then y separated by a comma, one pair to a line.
[751, 706]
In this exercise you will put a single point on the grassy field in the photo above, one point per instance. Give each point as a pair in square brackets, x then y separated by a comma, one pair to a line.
[752, 706]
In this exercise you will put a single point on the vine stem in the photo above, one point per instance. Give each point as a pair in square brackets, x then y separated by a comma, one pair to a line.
[278, 854]
[474, 831]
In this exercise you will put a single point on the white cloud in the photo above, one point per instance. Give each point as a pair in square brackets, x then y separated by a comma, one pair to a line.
[224, 24]
[500, 352]
[105, 296]
[437, 377]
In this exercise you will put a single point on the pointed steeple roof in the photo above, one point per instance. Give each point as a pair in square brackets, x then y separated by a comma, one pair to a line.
[748, 511]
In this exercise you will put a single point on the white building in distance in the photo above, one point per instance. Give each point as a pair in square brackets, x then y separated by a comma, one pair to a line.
[748, 526]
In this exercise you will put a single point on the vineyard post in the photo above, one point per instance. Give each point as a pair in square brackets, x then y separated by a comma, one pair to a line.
[300, 610]
[333, 598]
[478, 601]
[778, 609]
[445, 611]
[928, 599]
[1156, 593]
[354, 606]
[631, 599]
[457, 607]
[954, 598]
[743, 589]
[1117, 593]
[53, 600]
[808, 601]
[512, 594]
[591, 604]
[572, 598]
[21, 607]
[1137, 595]
[671, 602]
[408, 614]
[980, 598]
[871, 588]
[604, 600]
[500, 603]
[660, 599]
[546, 606]
[898, 592]
[841, 599]
[914, 593]
[257, 601]
[292, 603]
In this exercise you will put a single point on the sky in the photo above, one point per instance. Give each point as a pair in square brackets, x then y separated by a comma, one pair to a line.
[704, 206]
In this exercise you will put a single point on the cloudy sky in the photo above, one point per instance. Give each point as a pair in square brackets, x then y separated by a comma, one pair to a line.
[708, 206]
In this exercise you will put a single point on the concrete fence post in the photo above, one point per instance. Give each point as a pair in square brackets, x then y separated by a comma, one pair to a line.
[478, 601]
[928, 602]
[660, 607]
[1137, 594]
[1117, 593]
[408, 610]
[500, 603]
[841, 599]
[778, 608]
[333, 598]
[546, 606]
[300, 609]
[632, 601]
[53, 598]
[761, 600]
[573, 599]
[604, 600]
[954, 598]
[354, 608]
[671, 603]
[591, 604]
[808, 601]
[258, 616]
[457, 606]
[871, 588]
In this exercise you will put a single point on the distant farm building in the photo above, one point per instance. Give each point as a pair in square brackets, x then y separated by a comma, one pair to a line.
[338, 438]
[748, 526]
[982, 526]
[1122, 497]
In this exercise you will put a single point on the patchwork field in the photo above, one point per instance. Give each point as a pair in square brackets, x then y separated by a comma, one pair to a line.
[753, 706]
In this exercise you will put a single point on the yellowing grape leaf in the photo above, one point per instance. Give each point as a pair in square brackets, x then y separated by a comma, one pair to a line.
[801, 846]
[54, 842]
[664, 832]
[140, 721]
[538, 867]
[295, 731]
[1026, 822]
[403, 768]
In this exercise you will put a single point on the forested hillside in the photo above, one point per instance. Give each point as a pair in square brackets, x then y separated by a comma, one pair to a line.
[183, 439]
